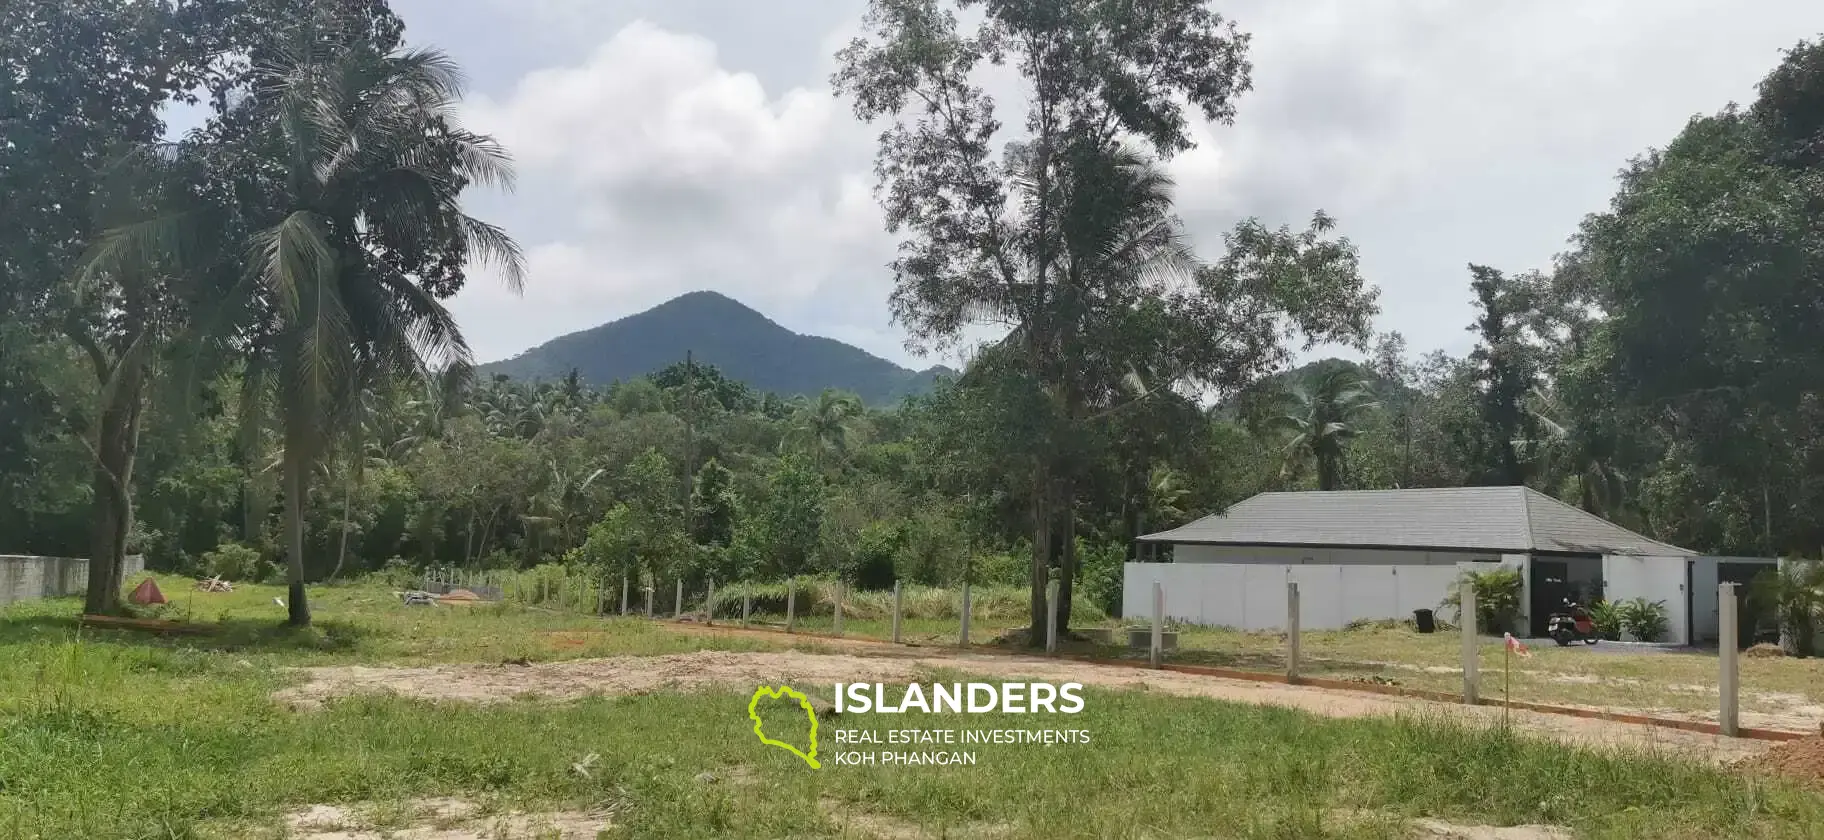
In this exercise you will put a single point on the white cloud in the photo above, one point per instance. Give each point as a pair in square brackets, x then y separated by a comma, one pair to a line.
[655, 162]
[678, 173]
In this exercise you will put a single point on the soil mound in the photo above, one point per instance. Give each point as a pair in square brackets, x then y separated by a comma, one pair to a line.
[1801, 761]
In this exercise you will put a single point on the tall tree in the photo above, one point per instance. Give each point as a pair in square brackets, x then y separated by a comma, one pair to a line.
[1326, 412]
[1026, 239]
[1508, 366]
[357, 237]
[85, 79]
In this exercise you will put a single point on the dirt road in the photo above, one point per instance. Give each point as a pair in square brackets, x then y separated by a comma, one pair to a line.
[872, 662]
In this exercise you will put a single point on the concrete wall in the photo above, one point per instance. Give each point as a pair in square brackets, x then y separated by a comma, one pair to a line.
[1655, 579]
[1245, 586]
[24, 577]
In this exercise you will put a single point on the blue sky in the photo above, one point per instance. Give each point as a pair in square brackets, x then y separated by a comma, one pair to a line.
[671, 145]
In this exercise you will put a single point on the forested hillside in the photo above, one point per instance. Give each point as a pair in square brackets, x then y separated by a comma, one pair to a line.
[744, 344]
[235, 346]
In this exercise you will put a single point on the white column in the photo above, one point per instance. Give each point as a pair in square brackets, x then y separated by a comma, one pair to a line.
[1293, 633]
[1051, 619]
[966, 611]
[1158, 646]
[1728, 657]
[1467, 618]
[896, 608]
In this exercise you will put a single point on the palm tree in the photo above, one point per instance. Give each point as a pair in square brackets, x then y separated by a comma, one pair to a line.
[825, 427]
[365, 167]
[1326, 413]
[374, 159]
[1793, 595]
[1583, 454]
[1107, 251]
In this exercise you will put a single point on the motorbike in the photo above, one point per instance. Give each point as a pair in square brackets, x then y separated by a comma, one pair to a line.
[1573, 624]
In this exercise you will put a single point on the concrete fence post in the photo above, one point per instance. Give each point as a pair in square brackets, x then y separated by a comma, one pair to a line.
[1293, 631]
[601, 596]
[1466, 616]
[1157, 648]
[747, 606]
[623, 594]
[1728, 657]
[709, 603]
[677, 604]
[1051, 618]
[649, 601]
[967, 609]
[896, 608]
[841, 590]
[791, 603]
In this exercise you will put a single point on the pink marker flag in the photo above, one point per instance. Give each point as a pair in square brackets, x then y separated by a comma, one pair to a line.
[1515, 646]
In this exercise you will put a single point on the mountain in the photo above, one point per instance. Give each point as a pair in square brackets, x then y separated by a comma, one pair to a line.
[744, 344]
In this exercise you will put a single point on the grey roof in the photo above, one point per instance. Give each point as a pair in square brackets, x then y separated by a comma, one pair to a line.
[1513, 520]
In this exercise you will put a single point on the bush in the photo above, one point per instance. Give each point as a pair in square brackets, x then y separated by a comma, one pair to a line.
[1606, 615]
[234, 561]
[1497, 598]
[1646, 621]
[817, 596]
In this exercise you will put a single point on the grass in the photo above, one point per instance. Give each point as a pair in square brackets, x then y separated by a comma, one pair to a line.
[1682, 683]
[121, 735]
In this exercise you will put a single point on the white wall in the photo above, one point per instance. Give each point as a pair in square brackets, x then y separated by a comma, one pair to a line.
[1245, 587]
[1655, 579]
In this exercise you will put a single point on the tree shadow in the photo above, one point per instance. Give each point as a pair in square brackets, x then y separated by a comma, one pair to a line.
[228, 635]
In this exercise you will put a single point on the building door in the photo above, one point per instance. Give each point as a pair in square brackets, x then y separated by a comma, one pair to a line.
[1551, 585]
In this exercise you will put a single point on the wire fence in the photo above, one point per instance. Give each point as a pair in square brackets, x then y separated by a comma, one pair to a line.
[927, 615]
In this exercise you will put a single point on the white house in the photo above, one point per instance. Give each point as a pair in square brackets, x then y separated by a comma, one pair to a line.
[1378, 554]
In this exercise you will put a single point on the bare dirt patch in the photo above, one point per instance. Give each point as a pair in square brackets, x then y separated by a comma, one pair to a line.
[1441, 830]
[592, 677]
[439, 819]
[863, 824]
[719, 669]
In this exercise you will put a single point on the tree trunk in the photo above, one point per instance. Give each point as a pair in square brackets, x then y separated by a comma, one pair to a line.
[296, 467]
[116, 445]
[1041, 556]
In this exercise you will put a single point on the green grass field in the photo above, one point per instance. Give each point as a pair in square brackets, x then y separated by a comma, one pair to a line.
[119, 735]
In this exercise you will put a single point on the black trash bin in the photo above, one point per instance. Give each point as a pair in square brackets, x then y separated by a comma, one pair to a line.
[1426, 622]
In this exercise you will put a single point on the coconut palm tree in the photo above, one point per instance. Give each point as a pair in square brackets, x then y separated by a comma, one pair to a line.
[1580, 454]
[1327, 411]
[375, 170]
[826, 426]
[1793, 595]
[358, 234]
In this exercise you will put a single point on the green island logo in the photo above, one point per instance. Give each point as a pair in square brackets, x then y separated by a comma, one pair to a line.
[753, 713]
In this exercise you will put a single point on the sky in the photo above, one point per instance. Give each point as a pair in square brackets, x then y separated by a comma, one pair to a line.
[665, 146]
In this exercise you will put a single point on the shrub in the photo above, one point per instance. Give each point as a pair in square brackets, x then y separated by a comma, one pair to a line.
[1606, 615]
[817, 596]
[1645, 620]
[234, 561]
[1497, 598]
